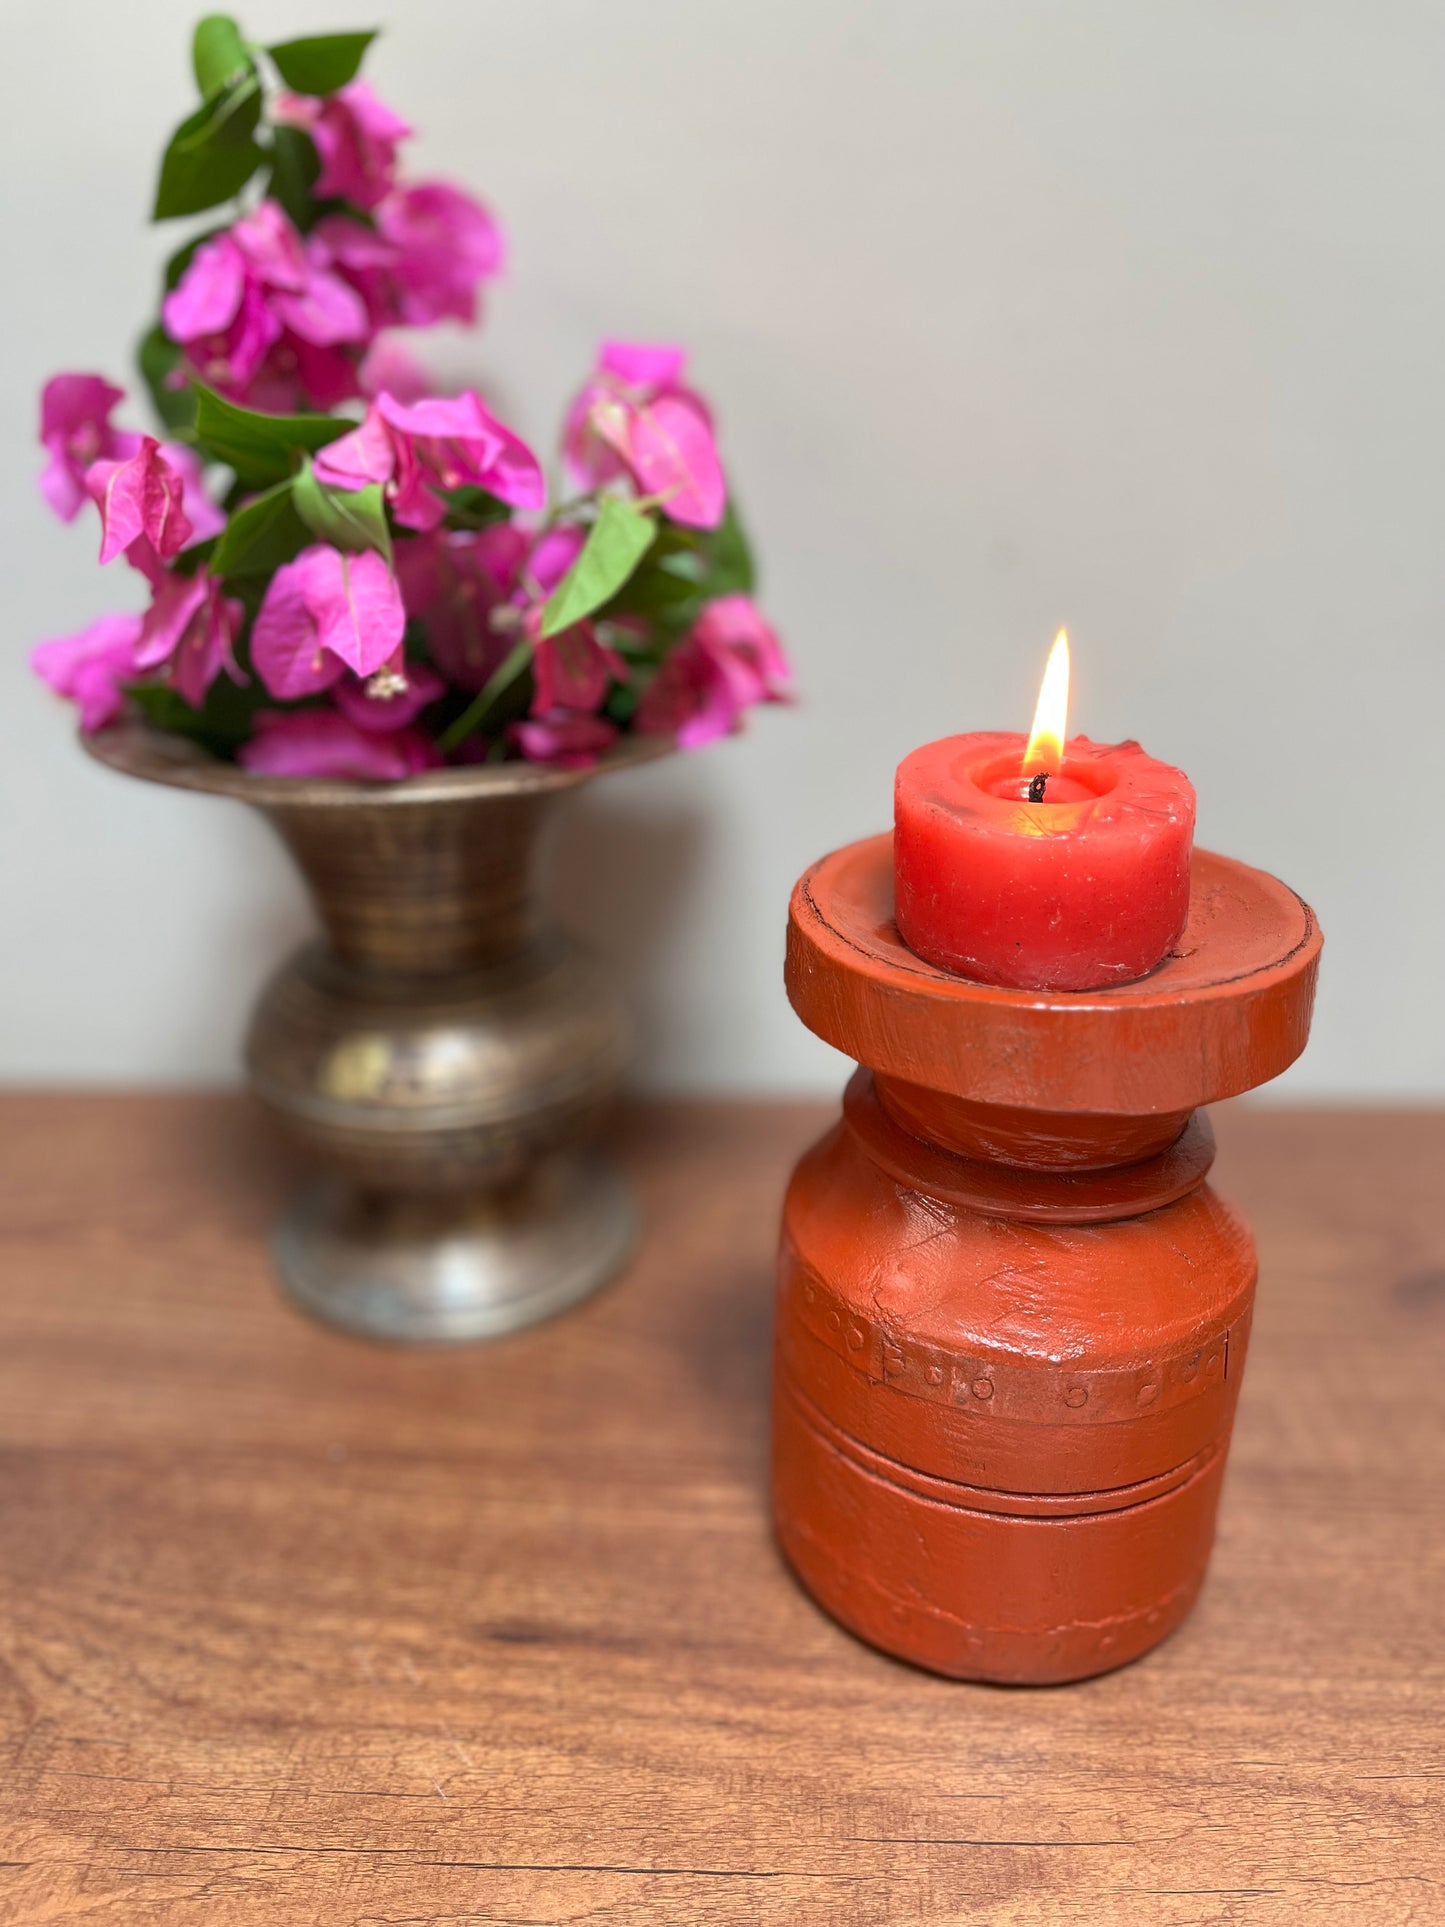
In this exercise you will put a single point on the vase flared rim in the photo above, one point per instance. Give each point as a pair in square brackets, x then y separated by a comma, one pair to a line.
[136, 749]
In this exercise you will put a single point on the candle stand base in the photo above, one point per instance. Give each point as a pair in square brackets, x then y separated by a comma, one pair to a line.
[1012, 1313]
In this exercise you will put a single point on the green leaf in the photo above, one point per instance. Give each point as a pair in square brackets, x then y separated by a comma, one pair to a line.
[655, 591]
[221, 724]
[729, 568]
[621, 703]
[470, 507]
[616, 543]
[218, 54]
[322, 62]
[295, 169]
[195, 559]
[262, 536]
[502, 678]
[261, 448]
[213, 154]
[158, 357]
[352, 519]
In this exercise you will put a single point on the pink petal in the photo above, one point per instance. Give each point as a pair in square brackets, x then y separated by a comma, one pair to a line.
[355, 603]
[460, 583]
[412, 499]
[435, 417]
[75, 430]
[388, 711]
[515, 475]
[461, 441]
[356, 136]
[570, 671]
[553, 554]
[567, 742]
[672, 453]
[367, 454]
[326, 373]
[687, 699]
[445, 244]
[500, 552]
[378, 122]
[389, 365]
[91, 667]
[206, 299]
[62, 488]
[285, 638]
[746, 648]
[325, 310]
[254, 332]
[641, 364]
[339, 241]
[271, 247]
[319, 742]
[202, 513]
[140, 497]
[206, 646]
[175, 602]
[71, 402]
[438, 219]
[591, 461]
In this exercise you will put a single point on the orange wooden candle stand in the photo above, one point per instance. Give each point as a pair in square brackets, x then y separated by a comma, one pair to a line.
[1012, 1315]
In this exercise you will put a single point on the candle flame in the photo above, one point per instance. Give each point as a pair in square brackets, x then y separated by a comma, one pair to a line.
[1046, 739]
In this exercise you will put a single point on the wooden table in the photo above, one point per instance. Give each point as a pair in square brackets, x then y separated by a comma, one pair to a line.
[295, 1630]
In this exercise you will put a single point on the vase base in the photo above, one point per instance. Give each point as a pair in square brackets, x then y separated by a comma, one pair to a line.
[446, 1269]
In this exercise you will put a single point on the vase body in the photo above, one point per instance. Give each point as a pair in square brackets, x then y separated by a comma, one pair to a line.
[1012, 1313]
[442, 1054]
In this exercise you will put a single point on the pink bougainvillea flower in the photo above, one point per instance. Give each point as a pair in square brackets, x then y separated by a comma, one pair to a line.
[391, 699]
[200, 511]
[321, 742]
[256, 290]
[356, 137]
[634, 417]
[572, 670]
[424, 260]
[730, 659]
[446, 244]
[455, 443]
[191, 628]
[92, 667]
[462, 585]
[323, 613]
[389, 366]
[735, 633]
[415, 449]
[76, 432]
[668, 444]
[219, 313]
[550, 557]
[564, 740]
[651, 366]
[364, 259]
[141, 508]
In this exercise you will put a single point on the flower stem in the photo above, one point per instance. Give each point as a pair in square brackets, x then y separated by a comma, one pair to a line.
[486, 698]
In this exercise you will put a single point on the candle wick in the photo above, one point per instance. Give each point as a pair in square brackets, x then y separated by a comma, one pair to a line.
[1038, 786]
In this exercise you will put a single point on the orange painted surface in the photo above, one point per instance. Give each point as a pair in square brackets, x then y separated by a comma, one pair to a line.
[1005, 1380]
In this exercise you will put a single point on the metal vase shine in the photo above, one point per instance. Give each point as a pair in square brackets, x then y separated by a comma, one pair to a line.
[443, 1054]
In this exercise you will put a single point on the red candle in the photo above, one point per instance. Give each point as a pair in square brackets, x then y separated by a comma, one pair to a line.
[1043, 864]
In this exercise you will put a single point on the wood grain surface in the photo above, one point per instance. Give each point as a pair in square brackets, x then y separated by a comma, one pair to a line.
[294, 1630]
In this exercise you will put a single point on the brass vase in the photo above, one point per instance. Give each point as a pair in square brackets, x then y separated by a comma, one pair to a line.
[443, 1053]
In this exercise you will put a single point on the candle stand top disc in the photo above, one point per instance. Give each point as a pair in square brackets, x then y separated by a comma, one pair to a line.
[1227, 1010]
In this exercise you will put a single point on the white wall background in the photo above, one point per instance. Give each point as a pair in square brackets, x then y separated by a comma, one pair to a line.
[1016, 313]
